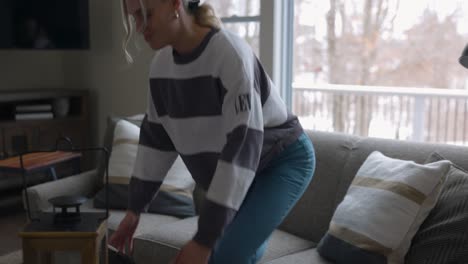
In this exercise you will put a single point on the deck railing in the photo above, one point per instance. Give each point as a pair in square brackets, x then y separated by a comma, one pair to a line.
[421, 114]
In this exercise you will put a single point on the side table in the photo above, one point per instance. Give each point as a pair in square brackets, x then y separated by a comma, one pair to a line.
[89, 237]
[38, 161]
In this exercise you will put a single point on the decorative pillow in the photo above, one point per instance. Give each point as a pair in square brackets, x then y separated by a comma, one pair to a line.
[175, 195]
[109, 139]
[443, 236]
[382, 210]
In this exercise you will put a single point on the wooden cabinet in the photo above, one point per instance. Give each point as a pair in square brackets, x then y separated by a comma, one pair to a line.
[66, 115]
[30, 134]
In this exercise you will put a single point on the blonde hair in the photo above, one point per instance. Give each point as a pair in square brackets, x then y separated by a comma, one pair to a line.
[204, 15]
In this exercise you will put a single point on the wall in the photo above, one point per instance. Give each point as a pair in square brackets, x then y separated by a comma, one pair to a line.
[116, 87]
[27, 69]
[30, 70]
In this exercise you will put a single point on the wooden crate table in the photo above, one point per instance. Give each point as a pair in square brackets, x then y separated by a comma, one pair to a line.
[41, 238]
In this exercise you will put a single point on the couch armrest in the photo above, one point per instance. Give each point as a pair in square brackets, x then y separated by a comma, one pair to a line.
[81, 184]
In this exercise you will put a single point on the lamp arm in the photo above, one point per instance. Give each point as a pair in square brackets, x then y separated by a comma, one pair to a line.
[67, 140]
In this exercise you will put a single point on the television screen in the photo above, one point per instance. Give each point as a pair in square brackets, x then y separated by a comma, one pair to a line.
[44, 24]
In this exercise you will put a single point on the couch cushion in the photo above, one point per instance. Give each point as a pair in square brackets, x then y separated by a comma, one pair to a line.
[309, 256]
[443, 237]
[162, 243]
[382, 210]
[147, 221]
[310, 217]
[282, 244]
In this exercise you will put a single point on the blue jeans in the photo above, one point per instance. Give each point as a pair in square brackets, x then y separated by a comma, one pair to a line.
[274, 191]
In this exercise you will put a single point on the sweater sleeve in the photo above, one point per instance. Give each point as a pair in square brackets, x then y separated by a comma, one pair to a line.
[236, 168]
[155, 156]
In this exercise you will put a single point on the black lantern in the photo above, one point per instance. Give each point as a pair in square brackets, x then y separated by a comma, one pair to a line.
[464, 57]
[65, 218]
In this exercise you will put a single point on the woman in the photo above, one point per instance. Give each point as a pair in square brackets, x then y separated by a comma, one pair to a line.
[211, 102]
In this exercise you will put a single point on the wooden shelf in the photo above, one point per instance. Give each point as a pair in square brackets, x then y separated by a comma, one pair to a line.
[36, 134]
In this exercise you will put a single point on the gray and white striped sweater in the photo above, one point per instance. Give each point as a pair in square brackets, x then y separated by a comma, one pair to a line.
[219, 111]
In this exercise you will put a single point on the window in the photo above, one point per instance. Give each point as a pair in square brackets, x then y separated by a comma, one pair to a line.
[241, 17]
[385, 68]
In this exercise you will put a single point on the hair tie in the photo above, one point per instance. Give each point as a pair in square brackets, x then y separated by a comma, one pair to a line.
[193, 5]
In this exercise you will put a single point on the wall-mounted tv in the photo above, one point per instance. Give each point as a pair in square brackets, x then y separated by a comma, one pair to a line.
[44, 24]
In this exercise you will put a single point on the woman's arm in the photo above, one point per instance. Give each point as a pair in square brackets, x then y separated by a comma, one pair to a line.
[155, 156]
[236, 168]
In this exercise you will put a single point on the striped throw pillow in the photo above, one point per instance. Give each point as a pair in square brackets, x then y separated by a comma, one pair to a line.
[382, 210]
[175, 195]
[123, 154]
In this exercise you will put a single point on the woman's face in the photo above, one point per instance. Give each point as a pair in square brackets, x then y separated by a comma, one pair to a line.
[160, 16]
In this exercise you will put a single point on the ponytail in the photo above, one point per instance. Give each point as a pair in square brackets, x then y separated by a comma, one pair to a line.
[205, 16]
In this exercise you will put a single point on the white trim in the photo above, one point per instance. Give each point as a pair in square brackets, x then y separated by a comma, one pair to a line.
[240, 19]
[383, 90]
[275, 24]
[267, 36]
[277, 47]
[271, 41]
[287, 50]
[276, 33]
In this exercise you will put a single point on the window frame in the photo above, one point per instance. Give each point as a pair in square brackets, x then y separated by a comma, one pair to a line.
[240, 19]
[275, 41]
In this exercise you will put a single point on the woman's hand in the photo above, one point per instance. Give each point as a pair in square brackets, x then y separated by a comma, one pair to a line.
[193, 253]
[124, 232]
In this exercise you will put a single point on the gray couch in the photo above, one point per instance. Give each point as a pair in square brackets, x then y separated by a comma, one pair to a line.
[339, 156]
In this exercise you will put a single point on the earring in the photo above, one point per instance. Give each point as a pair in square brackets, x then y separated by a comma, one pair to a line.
[176, 14]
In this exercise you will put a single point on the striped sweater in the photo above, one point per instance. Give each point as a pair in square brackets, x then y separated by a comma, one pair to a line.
[216, 108]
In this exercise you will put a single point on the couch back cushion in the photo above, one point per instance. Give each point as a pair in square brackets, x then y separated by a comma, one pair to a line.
[311, 216]
[339, 157]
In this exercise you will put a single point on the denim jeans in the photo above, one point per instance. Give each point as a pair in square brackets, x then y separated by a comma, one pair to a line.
[274, 191]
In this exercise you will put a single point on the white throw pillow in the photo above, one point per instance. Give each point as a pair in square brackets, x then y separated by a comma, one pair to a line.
[385, 205]
[124, 149]
[175, 195]
[122, 160]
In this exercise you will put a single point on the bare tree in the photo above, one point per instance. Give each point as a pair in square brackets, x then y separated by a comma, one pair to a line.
[361, 48]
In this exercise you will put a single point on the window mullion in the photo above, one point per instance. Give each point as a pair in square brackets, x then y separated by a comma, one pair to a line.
[281, 50]
[288, 53]
[240, 19]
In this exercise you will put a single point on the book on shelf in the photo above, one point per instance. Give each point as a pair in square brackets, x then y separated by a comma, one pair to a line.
[26, 108]
[31, 116]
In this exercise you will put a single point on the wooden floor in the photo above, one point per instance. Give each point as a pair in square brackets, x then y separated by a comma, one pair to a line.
[11, 221]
